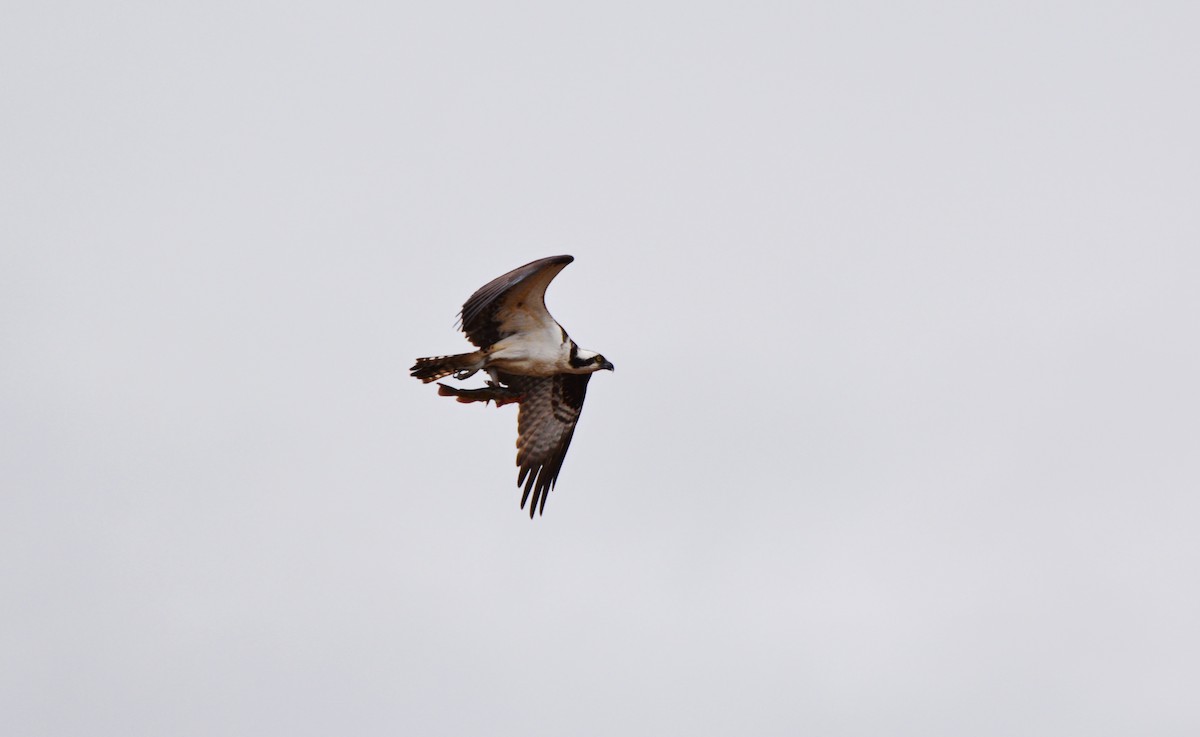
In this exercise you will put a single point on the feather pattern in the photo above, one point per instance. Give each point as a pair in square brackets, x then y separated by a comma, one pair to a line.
[550, 409]
[512, 303]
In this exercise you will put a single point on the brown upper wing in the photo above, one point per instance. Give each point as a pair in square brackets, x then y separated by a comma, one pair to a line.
[545, 424]
[511, 303]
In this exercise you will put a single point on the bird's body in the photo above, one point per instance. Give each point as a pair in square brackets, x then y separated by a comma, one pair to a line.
[531, 361]
[540, 353]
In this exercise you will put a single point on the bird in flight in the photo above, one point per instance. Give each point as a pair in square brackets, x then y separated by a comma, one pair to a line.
[531, 361]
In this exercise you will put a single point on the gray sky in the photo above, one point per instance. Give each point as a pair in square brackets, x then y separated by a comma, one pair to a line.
[902, 440]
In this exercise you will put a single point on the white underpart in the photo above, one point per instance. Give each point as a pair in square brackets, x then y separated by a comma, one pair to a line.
[537, 352]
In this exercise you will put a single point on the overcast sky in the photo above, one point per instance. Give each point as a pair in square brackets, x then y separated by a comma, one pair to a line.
[903, 438]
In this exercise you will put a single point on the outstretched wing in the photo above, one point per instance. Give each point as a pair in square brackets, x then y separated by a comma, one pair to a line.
[513, 303]
[545, 424]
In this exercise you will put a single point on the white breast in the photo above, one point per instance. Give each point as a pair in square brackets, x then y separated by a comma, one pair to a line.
[539, 352]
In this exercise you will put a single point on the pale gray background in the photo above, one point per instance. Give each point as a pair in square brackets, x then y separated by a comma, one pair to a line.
[902, 438]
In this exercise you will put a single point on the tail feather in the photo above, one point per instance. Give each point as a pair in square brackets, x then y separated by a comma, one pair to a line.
[435, 367]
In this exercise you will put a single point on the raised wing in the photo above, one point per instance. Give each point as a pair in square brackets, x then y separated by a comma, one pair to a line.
[513, 303]
[545, 424]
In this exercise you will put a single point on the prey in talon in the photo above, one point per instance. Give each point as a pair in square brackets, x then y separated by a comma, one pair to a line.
[493, 392]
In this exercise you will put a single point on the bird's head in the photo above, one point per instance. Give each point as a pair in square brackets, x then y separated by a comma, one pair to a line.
[590, 362]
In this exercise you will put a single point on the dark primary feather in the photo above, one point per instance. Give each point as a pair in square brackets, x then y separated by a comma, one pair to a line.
[545, 425]
[481, 318]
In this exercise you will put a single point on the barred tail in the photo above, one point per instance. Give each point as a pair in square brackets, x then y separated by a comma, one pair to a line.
[432, 369]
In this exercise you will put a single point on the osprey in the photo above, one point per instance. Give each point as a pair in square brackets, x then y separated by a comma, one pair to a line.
[532, 362]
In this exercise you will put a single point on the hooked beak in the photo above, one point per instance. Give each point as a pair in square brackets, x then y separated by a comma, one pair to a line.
[607, 365]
